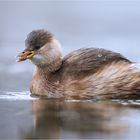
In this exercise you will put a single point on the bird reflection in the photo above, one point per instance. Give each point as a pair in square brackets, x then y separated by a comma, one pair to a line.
[55, 119]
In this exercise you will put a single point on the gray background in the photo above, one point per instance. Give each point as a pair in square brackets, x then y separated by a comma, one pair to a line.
[111, 24]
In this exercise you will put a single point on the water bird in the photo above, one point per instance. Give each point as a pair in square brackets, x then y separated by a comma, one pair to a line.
[86, 73]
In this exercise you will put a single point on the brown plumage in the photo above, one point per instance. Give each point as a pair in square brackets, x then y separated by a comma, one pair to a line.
[88, 73]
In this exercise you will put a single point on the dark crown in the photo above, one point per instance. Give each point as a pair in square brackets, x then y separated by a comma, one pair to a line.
[37, 38]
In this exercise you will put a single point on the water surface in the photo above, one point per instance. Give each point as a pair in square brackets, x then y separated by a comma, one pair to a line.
[24, 117]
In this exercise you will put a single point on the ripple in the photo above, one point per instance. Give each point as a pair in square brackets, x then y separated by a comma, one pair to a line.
[128, 102]
[25, 95]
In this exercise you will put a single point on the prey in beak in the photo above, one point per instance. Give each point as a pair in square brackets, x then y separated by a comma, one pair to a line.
[27, 54]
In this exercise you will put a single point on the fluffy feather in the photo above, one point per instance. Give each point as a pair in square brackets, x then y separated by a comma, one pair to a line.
[89, 73]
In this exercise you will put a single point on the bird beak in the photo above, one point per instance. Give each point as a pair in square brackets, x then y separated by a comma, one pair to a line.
[27, 54]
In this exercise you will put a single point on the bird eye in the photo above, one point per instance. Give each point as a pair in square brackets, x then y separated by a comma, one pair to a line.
[37, 47]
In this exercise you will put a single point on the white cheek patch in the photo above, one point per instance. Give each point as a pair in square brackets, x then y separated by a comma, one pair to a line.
[38, 59]
[48, 54]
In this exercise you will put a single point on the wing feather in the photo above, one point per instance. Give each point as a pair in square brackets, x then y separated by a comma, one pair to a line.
[87, 61]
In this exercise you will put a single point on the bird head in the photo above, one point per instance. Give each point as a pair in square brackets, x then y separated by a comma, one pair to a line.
[41, 48]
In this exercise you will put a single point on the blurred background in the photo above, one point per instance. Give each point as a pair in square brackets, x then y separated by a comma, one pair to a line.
[110, 24]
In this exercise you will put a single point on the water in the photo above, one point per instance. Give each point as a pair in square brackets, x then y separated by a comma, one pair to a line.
[113, 25]
[25, 117]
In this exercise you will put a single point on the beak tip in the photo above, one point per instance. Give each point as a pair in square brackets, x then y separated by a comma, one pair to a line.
[17, 60]
[24, 56]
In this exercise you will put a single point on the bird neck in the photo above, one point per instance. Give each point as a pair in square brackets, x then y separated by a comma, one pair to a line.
[54, 57]
[44, 81]
[50, 68]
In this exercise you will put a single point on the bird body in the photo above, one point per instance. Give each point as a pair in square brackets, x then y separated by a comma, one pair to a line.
[87, 73]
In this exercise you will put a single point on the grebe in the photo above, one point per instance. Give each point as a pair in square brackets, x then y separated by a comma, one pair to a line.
[87, 73]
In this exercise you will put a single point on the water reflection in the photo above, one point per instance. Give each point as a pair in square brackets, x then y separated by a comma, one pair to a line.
[25, 117]
[58, 119]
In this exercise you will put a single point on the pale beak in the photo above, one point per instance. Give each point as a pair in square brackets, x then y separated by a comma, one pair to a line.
[27, 54]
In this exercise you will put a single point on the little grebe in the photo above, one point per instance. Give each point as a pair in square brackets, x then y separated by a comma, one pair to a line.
[87, 73]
